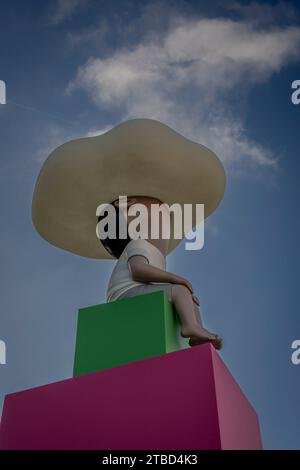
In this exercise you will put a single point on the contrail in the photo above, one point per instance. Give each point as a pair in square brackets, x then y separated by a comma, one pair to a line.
[45, 113]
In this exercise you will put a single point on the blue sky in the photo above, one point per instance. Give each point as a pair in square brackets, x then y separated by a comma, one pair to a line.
[221, 74]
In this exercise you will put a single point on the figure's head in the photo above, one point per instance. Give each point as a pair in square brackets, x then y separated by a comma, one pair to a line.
[115, 246]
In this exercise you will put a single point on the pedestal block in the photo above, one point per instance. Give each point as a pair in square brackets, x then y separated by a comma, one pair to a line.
[124, 331]
[184, 400]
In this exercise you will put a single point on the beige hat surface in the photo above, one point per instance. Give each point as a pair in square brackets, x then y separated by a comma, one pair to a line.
[138, 157]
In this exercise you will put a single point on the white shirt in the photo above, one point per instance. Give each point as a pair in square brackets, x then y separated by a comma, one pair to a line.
[121, 277]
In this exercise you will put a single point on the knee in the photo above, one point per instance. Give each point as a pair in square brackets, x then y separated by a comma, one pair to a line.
[178, 290]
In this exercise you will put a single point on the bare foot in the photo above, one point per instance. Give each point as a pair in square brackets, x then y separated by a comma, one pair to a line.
[217, 342]
[199, 335]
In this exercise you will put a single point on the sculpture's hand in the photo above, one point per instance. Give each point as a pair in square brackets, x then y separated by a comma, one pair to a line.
[142, 271]
[186, 283]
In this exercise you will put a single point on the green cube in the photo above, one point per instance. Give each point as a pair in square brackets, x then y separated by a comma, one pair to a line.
[125, 331]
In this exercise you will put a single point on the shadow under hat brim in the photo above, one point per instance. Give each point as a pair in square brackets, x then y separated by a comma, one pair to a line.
[137, 157]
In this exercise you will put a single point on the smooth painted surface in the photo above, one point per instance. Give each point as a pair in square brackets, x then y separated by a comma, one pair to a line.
[166, 402]
[124, 331]
[238, 421]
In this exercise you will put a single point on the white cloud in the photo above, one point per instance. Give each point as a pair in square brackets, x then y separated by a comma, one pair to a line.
[55, 136]
[92, 36]
[50, 140]
[65, 9]
[94, 132]
[186, 77]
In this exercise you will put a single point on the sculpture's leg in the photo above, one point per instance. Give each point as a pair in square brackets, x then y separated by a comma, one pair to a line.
[197, 314]
[191, 327]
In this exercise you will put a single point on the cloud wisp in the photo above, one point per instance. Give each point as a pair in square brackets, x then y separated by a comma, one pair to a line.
[64, 10]
[187, 76]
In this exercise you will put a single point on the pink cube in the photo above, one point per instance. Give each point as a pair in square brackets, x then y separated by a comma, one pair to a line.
[185, 400]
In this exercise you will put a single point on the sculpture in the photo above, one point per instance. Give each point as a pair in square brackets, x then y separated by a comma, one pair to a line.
[150, 164]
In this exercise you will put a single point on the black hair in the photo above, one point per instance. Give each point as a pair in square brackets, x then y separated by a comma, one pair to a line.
[115, 246]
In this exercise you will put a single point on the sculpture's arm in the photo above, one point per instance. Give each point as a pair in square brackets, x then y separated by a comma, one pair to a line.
[142, 271]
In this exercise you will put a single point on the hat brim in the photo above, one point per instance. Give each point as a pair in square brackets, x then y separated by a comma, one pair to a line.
[138, 157]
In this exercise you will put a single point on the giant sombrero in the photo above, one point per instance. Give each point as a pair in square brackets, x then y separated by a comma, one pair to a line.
[138, 157]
